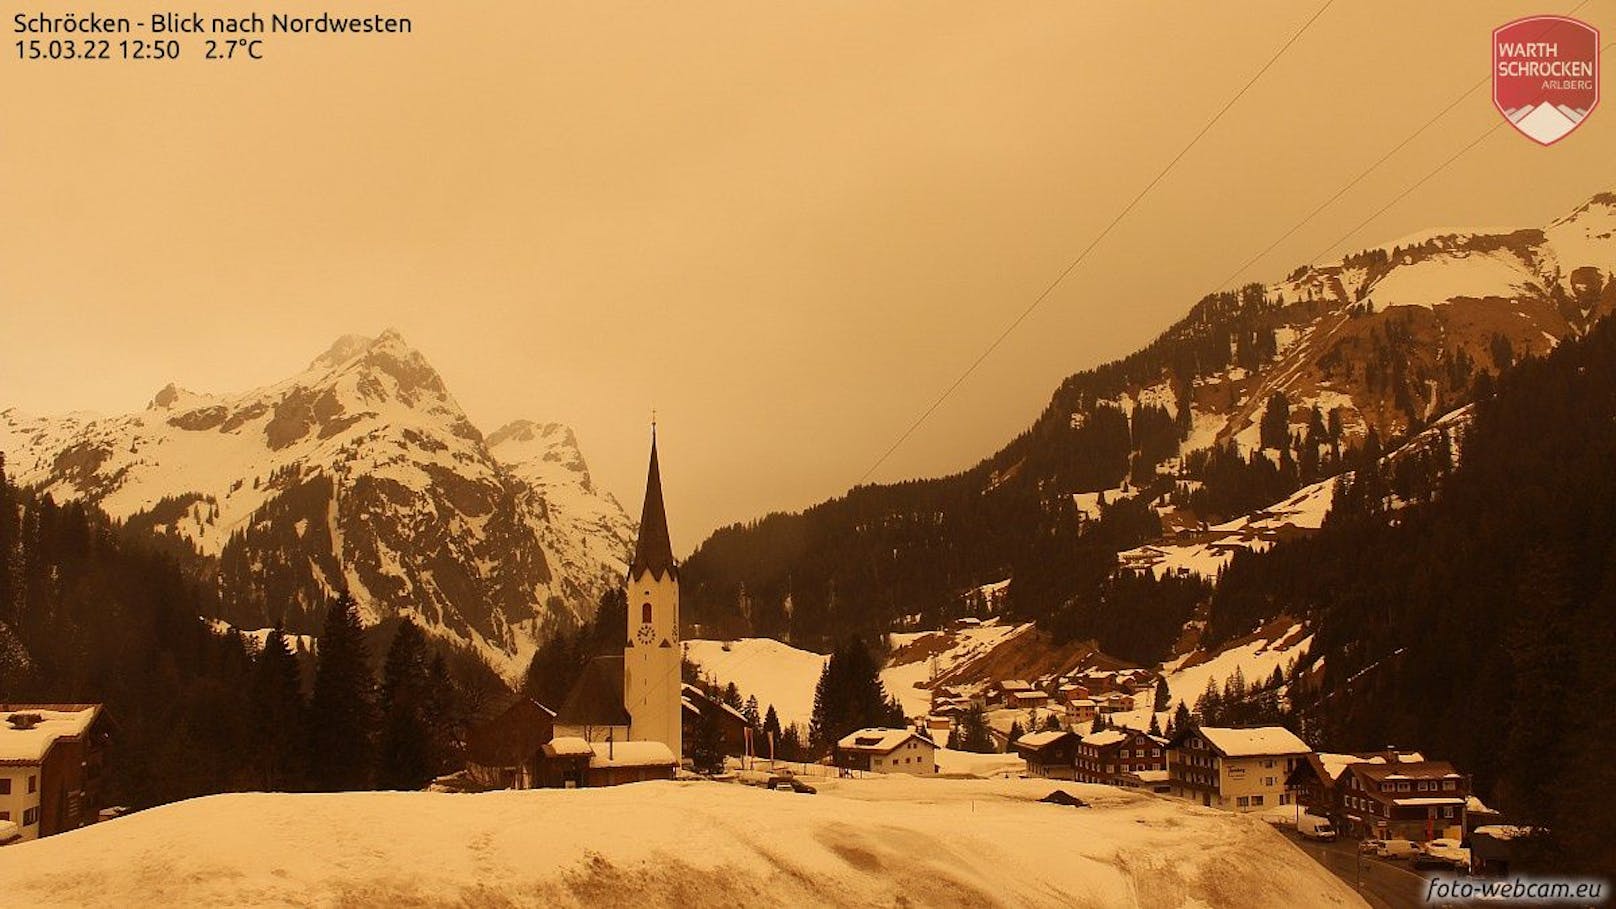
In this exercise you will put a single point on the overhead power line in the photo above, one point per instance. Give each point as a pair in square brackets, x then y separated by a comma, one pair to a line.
[1387, 156]
[1072, 266]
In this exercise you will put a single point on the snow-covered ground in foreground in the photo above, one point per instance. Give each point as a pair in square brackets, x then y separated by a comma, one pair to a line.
[876, 842]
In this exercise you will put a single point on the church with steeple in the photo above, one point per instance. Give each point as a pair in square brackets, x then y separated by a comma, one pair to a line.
[651, 683]
[638, 696]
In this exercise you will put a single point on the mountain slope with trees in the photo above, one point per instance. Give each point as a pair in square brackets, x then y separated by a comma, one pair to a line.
[1480, 625]
[1254, 393]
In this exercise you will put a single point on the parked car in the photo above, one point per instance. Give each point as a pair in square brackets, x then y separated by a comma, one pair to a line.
[1316, 828]
[1371, 847]
[790, 784]
[1397, 849]
[1442, 853]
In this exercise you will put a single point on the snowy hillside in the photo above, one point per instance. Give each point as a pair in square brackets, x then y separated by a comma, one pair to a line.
[878, 842]
[785, 676]
[1431, 299]
[773, 671]
[360, 472]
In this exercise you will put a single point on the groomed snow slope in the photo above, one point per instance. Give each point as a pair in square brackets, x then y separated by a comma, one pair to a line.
[878, 842]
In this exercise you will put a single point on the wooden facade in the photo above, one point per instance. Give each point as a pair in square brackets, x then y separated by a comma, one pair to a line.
[1106, 756]
[502, 752]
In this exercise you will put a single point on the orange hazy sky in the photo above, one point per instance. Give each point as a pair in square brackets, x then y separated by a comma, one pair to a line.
[786, 226]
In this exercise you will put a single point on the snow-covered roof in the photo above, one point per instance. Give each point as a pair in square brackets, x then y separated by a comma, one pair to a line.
[1408, 770]
[630, 754]
[567, 746]
[1040, 739]
[29, 746]
[1422, 801]
[1030, 695]
[1254, 741]
[1083, 702]
[1496, 831]
[875, 740]
[1104, 737]
[1014, 685]
[8, 830]
[1151, 776]
[1337, 764]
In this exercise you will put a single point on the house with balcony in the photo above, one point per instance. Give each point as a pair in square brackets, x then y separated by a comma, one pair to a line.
[51, 759]
[1417, 800]
[1235, 768]
[1051, 754]
[1110, 756]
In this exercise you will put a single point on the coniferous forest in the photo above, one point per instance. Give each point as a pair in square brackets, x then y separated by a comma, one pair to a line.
[903, 554]
[1479, 625]
[92, 612]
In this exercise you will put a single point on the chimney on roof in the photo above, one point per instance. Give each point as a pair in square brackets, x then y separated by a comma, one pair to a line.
[24, 720]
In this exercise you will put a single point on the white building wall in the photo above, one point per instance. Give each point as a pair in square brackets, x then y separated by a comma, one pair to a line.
[1259, 780]
[16, 806]
[651, 686]
[915, 757]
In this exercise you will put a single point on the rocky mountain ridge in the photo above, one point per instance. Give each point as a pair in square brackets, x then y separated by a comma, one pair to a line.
[361, 472]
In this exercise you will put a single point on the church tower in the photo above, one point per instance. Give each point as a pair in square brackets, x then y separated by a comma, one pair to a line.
[651, 682]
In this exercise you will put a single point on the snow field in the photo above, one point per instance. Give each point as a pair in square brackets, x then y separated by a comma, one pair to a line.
[884, 841]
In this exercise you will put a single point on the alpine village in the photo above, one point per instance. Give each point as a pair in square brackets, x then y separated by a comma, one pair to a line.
[1334, 556]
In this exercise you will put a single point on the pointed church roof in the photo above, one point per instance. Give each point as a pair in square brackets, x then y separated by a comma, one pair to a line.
[653, 552]
[596, 699]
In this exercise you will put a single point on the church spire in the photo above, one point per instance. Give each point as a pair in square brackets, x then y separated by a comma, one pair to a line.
[653, 552]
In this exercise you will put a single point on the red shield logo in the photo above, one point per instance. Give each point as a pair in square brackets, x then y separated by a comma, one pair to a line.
[1546, 75]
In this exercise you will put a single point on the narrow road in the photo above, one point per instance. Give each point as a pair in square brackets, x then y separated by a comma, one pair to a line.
[1383, 884]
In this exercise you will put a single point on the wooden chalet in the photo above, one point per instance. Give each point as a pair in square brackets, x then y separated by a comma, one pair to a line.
[1051, 754]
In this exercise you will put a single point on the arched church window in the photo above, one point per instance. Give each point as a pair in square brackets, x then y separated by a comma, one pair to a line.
[645, 614]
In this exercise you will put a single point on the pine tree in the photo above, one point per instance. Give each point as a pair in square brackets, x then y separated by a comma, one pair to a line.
[750, 711]
[1163, 696]
[1015, 734]
[1209, 707]
[1182, 718]
[792, 747]
[971, 732]
[277, 715]
[443, 717]
[1051, 723]
[342, 711]
[849, 696]
[404, 759]
[1155, 725]
[707, 751]
[1274, 428]
[554, 667]
[8, 547]
[771, 727]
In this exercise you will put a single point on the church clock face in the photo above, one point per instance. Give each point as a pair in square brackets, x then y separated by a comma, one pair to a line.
[645, 635]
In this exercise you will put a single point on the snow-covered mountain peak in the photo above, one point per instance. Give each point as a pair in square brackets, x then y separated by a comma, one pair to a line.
[362, 473]
[548, 450]
[173, 397]
[341, 351]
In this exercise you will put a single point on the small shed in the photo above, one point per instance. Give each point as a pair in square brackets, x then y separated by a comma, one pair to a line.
[564, 762]
[615, 763]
